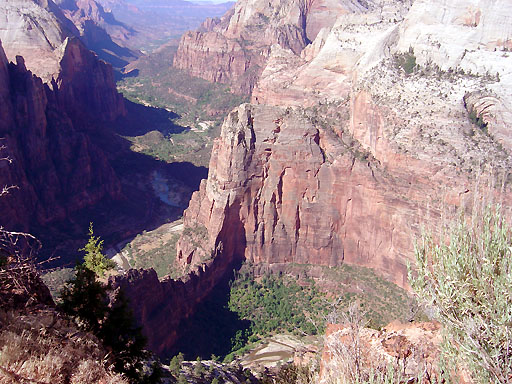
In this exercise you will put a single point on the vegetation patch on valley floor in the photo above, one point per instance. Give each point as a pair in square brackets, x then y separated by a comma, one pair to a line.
[155, 249]
[199, 107]
[305, 298]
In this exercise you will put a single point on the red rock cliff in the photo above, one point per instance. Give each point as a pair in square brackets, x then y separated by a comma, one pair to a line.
[282, 189]
[357, 154]
[161, 306]
[234, 50]
[46, 132]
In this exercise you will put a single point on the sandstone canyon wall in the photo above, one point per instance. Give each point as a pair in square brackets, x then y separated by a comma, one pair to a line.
[162, 306]
[346, 153]
[57, 97]
[234, 49]
[47, 132]
[37, 30]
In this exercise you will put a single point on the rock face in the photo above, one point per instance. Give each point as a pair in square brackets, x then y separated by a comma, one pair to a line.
[35, 29]
[83, 11]
[46, 132]
[86, 86]
[234, 49]
[350, 151]
[38, 29]
[284, 189]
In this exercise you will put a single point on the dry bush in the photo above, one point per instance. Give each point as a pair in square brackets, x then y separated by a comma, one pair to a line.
[352, 357]
[349, 361]
[37, 344]
[43, 347]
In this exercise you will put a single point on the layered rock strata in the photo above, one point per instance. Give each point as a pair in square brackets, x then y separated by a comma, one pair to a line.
[35, 30]
[100, 31]
[234, 49]
[284, 188]
[83, 12]
[39, 30]
[359, 140]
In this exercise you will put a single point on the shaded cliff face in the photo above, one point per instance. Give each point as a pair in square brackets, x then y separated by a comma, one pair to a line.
[55, 165]
[85, 86]
[38, 31]
[163, 306]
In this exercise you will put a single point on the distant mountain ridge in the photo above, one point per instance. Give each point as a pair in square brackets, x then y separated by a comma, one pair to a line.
[158, 21]
[100, 31]
[36, 30]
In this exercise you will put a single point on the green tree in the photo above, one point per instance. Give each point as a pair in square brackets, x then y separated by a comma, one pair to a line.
[182, 379]
[119, 332]
[94, 258]
[467, 280]
[85, 299]
[406, 61]
[199, 368]
[175, 364]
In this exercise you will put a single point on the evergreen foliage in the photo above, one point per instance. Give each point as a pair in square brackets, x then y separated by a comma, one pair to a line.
[85, 299]
[467, 279]
[276, 304]
[477, 120]
[406, 61]
[119, 332]
[94, 258]
[175, 364]
[199, 367]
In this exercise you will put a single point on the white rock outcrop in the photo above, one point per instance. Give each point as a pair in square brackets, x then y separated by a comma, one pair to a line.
[36, 30]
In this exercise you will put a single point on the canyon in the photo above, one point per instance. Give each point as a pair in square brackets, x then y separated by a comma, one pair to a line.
[345, 154]
[368, 122]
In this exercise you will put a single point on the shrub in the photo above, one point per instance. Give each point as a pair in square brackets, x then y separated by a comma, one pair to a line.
[175, 364]
[406, 61]
[44, 347]
[478, 120]
[94, 258]
[467, 280]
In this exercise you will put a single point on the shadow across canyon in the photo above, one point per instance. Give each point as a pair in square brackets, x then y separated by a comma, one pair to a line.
[137, 207]
[213, 328]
